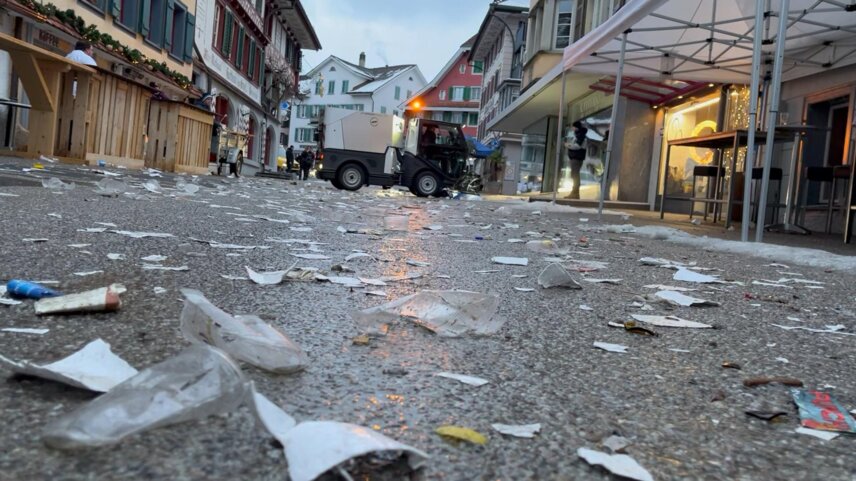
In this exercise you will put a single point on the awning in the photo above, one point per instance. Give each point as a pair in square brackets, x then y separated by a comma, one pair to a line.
[480, 150]
[711, 40]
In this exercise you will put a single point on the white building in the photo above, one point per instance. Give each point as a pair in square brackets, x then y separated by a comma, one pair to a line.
[337, 83]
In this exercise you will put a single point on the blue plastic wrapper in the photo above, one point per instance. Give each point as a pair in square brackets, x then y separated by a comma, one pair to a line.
[30, 290]
[819, 411]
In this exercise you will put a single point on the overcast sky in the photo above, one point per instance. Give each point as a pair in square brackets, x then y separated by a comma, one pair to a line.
[393, 32]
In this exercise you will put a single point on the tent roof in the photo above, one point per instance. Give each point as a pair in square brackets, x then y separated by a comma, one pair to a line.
[711, 40]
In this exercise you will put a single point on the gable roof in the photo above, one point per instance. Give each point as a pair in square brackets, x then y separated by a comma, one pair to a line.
[374, 77]
[462, 50]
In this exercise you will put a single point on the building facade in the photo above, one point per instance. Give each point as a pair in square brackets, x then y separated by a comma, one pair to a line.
[338, 83]
[453, 95]
[249, 56]
[499, 46]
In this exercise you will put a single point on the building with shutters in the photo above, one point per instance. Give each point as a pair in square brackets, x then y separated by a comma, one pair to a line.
[234, 41]
[453, 95]
[342, 84]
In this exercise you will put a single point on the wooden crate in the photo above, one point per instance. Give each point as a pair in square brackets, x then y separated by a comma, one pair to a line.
[179, 137]
[117, 120]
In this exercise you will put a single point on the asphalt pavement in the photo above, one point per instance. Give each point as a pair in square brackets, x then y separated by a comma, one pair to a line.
[683, 413]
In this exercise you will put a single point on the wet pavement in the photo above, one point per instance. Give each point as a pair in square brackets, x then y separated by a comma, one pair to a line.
[683, 413]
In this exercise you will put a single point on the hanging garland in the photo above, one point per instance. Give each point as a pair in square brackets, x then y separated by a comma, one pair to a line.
[91, 34]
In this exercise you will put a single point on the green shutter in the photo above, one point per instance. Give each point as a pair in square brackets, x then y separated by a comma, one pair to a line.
[260, 55]
[239, 51]
[466, 94]
[145, 17]
[451, 93]
[188, 37]
[167, 37]
[447, 116]
[227, 34]
[116, 8]
[251, 62]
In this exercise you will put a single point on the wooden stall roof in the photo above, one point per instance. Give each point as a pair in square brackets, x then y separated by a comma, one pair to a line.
[29, 61]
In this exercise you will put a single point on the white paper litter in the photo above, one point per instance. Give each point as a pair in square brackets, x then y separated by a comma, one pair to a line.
[415, 263]
[25, 330]
[471, 380]
[584, 307]
[669, 321]
[88, 273]
[616, 444]
[314, 257]
[611, 347]
[154, 258]
[262, 278]
[158, 267]
[545, 246]
[340, 280]
[662, 287]
[678, 299]
[35, 240]
[524, 289]
[828, 330]
[602, 281]
[619, 464]
[375, 293]
[372, 282]
[234, 278]
[159, 290]
[825, 435]
[687, 275]
[79, 246]
[358, 255]
[518, 430]
[93, 230]
[138, 235]
[511, 261]
[272, 418]
[94, 367]
[660, 262]
[116, 257]
[770, 284]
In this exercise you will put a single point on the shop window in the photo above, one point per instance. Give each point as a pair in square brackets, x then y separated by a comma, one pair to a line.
[689, 119]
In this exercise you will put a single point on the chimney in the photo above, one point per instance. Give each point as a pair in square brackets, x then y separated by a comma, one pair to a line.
[362, 59]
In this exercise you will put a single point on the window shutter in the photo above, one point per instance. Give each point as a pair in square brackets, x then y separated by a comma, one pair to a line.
[239, 50]
[227, 34]
[451, 93]
[188, 37]
[251, 62]
[260, 60]
[145, 17]
[447, 116]
[115, 8]
[168, 27]
[466, 94]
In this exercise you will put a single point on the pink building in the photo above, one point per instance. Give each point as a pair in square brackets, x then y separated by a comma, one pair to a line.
[453, 95]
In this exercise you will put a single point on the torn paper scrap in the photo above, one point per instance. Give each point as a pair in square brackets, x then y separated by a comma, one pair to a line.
[819, 410]
[154, 258]
[25, 330]
[687, 275]
[610, 347]
[510, 261]
[314, 257]
[263, 278]
[197, 382]
[246, 338]
[825, 435]
[446, 313]
[602, 281]
[158, 267]
[137, 235]
[618, 464]
[661, 287]
[669, 321]
[678, 299]
[461, 433]
[415, 263]
[471, 380]
[519, 431]
[315, 447]
[104, 299]
[94, 367]
[276, 421]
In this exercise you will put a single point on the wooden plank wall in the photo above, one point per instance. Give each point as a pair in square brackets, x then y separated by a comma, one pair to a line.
[194, 138]
[117, 117]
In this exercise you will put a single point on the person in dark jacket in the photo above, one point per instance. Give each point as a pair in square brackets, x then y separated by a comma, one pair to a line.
[289, 158]
[307, 158]
[576, 145]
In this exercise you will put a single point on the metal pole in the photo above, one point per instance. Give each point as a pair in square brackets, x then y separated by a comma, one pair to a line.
[749, 163]
[619, 77]
[772, 117]
[559, 132]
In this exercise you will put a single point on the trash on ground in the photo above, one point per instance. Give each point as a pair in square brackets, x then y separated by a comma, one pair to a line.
[152, 186]
[266, 278]
[660, 262]
[55, 184]
[104, 299]
[361, 340]
[246, 338]
[312, 257]
[610, 347]
[518, 430]
[375, 293]
[158, 267]
[459, 433]
[94, 367]
[764, 380]
[661, 287]
[616, 444]
[198, 382]
[343, 281]
[524, 289]
[415, 263]
[26, 330]
[110, 187]
[555, 275]
[510, 261]
[765, 411]
[618, 464]
[686, 275]
[678, 299]
[137, 235]
[545, 246]
[669, 321]
[825, 435]
[446, 313]
[836, 329]
[154, 258]
[183, 188]
[471, 380]
[87, 273]
[28, 290]
[5, 300]
[116, 257]
[358, 255]
[602, 281]
[819, 410]
[276, 421]
[158, 290]
[633, 328]
[731, 365]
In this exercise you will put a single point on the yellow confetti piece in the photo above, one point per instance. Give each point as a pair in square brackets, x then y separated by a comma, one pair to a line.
[462, 434]
[38, 166]
[361, 340]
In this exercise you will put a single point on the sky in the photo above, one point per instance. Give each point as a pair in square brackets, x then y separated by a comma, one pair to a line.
[393, 32]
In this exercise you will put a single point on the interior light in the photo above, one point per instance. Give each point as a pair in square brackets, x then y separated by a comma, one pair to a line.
[680, 97]
[694, 107]
[710, 85]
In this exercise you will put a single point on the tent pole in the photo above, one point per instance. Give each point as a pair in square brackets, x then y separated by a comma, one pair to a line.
[559, 132]
[772, 117]
[619, 78]
[749, 163]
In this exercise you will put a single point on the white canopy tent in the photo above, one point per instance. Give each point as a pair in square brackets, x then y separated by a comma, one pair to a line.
[715, 41]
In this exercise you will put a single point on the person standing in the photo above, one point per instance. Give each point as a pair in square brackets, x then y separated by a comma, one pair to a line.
[576, 144]
[289, 158]
[307, 158]
[82, 53]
